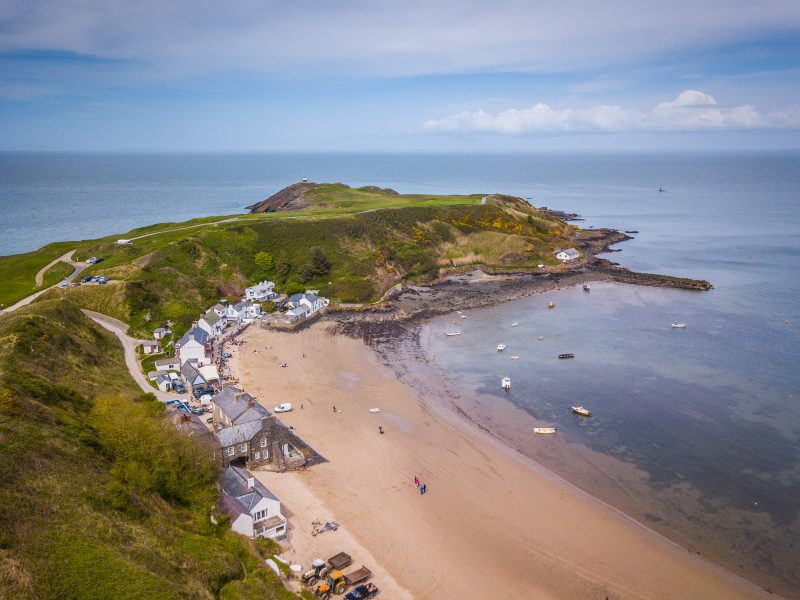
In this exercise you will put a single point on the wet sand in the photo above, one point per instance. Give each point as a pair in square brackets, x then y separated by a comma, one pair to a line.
[492, 524]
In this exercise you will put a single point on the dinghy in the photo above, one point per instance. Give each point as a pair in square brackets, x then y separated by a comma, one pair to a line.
[449, 333]
[501, 347]
[679, 325]
[544, 430]
[583, 412]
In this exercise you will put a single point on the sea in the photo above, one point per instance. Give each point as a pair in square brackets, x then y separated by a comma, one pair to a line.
[699, 426]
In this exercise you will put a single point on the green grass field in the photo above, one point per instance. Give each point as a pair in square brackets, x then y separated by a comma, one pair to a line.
[101, 496]
[56, 274]
[18, 271]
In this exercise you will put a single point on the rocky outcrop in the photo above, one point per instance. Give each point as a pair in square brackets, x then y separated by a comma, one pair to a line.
[289, 198]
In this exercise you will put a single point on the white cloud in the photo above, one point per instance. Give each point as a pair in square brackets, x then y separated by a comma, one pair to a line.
[387, 37]
[691, 110]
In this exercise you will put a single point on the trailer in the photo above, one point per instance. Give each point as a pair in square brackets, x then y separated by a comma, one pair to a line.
[338, 582]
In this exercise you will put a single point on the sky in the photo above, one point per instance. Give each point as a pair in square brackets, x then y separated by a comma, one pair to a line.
[404, 75]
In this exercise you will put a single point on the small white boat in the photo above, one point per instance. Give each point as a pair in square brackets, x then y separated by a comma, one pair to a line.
[586, 287]
[463, 316]
[679, 325]
[540, 338]
[501, 347]
[514, 324]
[506, 383]
[375, 410]
[544, 430]
[449, 333]
[515, 357]
[583, 412]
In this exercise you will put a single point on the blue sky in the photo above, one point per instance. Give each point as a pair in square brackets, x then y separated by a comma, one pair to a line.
[390, 75]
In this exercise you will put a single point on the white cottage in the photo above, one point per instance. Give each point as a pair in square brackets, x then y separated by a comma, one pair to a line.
[253, 509]
[260, 292]
[243, 312]
[567, 255]
[310, 302]
[194, 346]
[212, 323]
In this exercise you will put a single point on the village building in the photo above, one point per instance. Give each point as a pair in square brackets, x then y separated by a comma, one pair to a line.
[243, 312]
[254, 511]
[305, 305]
[168, 364]
[567, 255]
[150, 347]
[160, 333]
[212, 323]
[260, 292]
[220, 308]
[164, 382]
[250, 435]
[193, 377]
[195, 346]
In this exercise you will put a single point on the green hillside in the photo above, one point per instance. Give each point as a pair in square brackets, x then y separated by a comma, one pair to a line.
[351, 256]
[100, 496]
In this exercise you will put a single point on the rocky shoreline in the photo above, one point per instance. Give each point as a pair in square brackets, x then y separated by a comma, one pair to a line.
[405, 306]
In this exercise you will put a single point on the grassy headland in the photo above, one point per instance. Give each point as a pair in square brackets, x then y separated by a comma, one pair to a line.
[351, 244]
[100, 495]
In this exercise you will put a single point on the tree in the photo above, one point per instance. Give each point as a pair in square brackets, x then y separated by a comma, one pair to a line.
[282, 265]
[319, 262]
[264, 261]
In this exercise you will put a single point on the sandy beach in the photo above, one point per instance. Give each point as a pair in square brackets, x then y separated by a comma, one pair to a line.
[492, 523]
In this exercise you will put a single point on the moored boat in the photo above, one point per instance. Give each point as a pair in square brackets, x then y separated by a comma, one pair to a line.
[449, 333]
[515, 357]
[551, 305]
[679, 325]
[501, 347]
[544, 430]
[566, 355]
[586, 287]
[505, 383]
[514, 324]
[583, 412]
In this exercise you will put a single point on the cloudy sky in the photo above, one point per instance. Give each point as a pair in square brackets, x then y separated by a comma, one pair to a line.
[263, 75]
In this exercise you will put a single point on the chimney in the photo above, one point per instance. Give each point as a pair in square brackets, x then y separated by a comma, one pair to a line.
[194, 324]
[251, 482]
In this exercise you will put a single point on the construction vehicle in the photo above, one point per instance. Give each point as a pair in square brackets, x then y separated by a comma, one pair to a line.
[337, 582]
[319, 568]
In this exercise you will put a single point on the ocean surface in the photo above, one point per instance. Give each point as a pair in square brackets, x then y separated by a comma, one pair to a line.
[710, 414]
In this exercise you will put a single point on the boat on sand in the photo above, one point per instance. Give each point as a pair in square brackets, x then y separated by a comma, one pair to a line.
[583, 412]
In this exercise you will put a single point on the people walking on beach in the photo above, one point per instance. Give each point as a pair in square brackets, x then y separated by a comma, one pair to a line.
[416, 481]
[334, 408]
[380, 428]
[423, 488]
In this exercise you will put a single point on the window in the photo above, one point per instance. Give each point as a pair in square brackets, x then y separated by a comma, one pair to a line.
[231, 451]
[242, 447]
[263, 442]
[257, 455]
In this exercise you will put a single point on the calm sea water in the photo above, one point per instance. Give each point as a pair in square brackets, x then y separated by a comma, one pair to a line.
[712, 409]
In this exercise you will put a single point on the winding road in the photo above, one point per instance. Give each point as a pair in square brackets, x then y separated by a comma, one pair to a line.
[129, 344]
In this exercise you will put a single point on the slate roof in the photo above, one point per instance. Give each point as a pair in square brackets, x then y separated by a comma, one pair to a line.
[234, 482]
[571, 252]
[211, 317]
[196, 334]
[190, 374]
[166, 361]
[236, 405]
[161, 378]
[240, 306]
[238, 434]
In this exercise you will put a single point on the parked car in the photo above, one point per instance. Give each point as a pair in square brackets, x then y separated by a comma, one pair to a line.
[200, 392]
[178, 387]
[362, 592]
[284, 407]
[86, 279]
